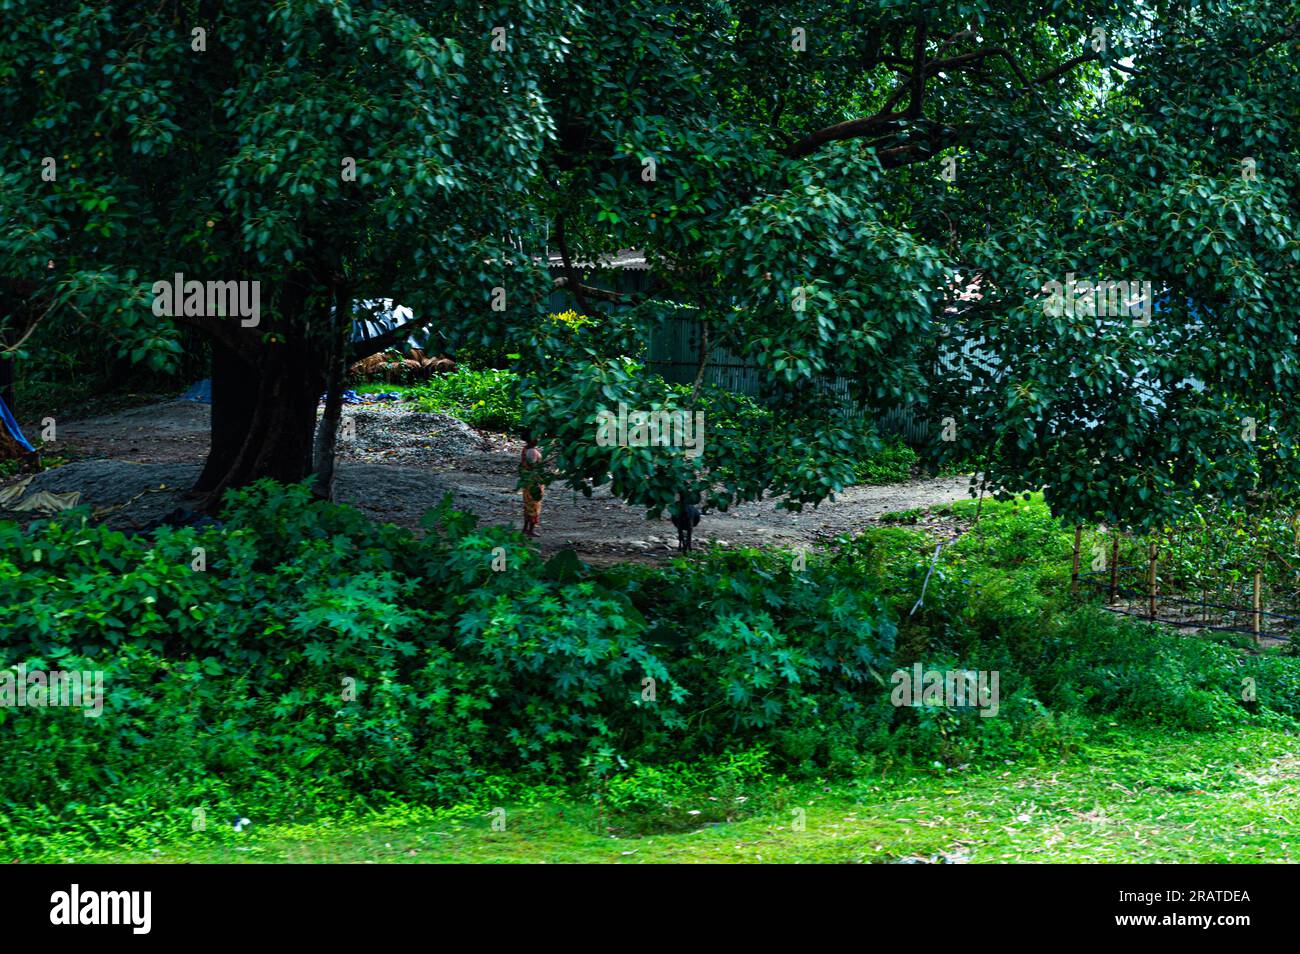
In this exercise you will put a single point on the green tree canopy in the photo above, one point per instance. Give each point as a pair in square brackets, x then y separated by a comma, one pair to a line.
[812, 184]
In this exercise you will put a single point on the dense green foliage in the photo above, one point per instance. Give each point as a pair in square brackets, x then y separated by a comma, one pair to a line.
[782, 170]
[814, 233]
[224, 156]
[224, 684]
[490, 399]
[330, 153]
[811, 186]
[893, 464]
[481, 398]
[221, 682]
[998, 600]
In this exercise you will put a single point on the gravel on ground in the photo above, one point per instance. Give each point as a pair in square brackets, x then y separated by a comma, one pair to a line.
[133, 467]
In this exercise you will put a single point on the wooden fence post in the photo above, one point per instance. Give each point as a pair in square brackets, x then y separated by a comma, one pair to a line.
[1151, 583]
[1254, 626]
[1074, 571]
[1114, 568]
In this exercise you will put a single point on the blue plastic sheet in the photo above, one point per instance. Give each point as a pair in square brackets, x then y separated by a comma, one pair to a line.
[12, 426]
[201, 392]
[352, 397]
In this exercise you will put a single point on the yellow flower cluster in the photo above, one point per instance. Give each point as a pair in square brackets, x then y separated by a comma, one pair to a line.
[572, 319]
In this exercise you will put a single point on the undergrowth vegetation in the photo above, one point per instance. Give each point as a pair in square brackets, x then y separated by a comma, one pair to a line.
[321, 664]
[481, 398]
[490, 399]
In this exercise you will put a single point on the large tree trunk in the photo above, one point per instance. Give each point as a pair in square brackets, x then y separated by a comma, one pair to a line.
[7, 383]
[327, 435]
[234, 401]
[263, 417]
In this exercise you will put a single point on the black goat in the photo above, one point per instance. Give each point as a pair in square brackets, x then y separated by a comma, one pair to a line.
[686, 519]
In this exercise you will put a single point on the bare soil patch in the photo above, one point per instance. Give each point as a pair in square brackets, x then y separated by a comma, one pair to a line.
[133, 467]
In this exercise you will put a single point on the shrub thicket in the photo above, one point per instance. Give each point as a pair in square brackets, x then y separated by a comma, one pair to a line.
[320, 660]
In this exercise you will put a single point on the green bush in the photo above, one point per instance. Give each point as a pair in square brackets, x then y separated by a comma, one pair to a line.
[318, 659]
[481, 398]
[894, 463]
[487, 399]
[999, 600]
[319, 663]
[682, 795]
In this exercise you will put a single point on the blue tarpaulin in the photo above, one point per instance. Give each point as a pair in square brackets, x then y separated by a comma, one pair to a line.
[352, 397]
[201, 392]
[12, 427]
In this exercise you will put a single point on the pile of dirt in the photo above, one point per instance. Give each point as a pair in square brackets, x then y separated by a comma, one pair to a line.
[396, 434]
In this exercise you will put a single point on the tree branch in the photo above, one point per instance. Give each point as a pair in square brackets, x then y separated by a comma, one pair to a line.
[1066, 67]
[851, 129]
[917, 98]
[962, 59]
[1290, 33]
[879, 124]
[704, 360]
[570, 275]
[30, 328]
[562, 281]
[232, 336]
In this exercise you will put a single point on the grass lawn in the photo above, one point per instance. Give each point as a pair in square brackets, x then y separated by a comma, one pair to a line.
[1147, 797]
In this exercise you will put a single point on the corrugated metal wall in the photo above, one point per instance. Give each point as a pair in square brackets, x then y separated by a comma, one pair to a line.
[673, 351]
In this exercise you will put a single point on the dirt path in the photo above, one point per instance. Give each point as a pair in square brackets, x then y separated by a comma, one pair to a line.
[138, 462]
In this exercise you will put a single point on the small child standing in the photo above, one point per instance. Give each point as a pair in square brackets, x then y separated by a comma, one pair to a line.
[530, 462]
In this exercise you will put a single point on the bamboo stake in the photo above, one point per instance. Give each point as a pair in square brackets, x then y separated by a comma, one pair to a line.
[1074, 571]
[1151, 583]
[1254, 626]
[1114, 568]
